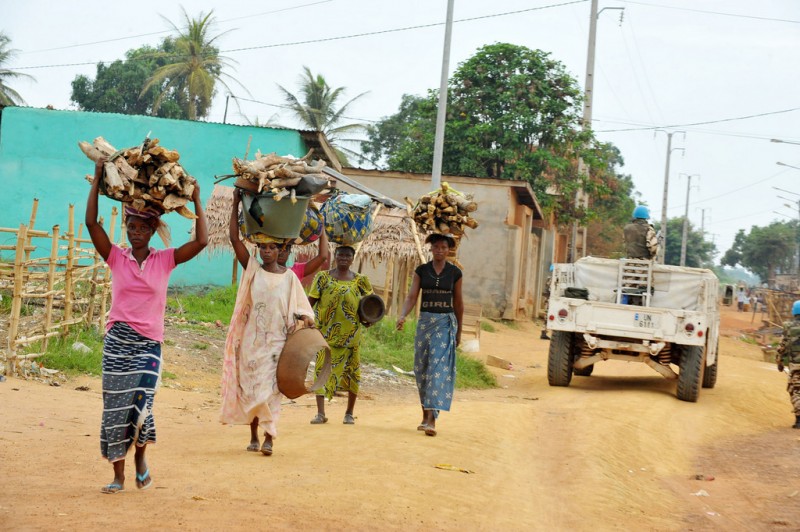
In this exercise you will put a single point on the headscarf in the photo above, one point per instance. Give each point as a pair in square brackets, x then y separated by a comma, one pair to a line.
[152, 216]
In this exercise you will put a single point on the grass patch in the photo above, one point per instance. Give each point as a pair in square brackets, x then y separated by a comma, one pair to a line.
[749, 340]
[215, 304]
[199, 346]
[385, 347]
[61, 356]
[168, 375]
[487, 326]
[511, 324]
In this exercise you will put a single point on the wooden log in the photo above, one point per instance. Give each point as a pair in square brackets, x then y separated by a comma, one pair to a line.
[103, 146]
[90, 151]
[112, 178]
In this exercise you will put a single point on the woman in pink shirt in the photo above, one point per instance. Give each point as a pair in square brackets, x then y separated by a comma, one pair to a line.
[135, 329]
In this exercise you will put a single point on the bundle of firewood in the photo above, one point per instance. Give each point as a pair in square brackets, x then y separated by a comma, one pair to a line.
[147, 175]
[282, 176]
[445, 211]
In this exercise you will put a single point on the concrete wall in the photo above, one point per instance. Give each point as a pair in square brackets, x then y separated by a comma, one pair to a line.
[40, 158]
[491, 254]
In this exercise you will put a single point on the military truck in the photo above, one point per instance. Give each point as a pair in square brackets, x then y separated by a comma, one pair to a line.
[638, 311]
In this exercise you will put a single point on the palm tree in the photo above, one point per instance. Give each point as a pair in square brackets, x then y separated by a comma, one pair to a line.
[316, 110]
[195, 67]
[8, 96]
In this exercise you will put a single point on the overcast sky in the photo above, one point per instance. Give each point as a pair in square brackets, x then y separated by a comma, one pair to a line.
[695, 67]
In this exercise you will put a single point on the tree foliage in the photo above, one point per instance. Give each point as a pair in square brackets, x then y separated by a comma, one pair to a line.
[512, 113]
[192, 69]
[317, 108]
[699, 252]
[765, 251]
[8, 96]
[117, 87]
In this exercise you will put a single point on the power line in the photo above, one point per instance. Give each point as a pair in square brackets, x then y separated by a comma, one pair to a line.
[170, 31]
[707, 12]
[699, 123]
[290, 108]
[693, 130]
[338, 38]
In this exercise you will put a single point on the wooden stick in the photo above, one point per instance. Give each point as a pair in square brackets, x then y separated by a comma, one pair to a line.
[93, 287]
[31, 223]
[414, 231]
[68, 286]
[16, 302]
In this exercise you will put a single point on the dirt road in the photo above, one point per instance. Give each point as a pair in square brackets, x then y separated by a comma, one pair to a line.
[613, 451]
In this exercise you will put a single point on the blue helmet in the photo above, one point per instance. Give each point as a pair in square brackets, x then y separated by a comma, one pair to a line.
[641, 212]
[796, 308]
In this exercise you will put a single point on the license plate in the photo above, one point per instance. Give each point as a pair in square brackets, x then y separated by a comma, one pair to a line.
[645, 320]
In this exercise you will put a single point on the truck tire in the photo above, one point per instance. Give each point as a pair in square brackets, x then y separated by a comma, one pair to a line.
[710, 375]
[585, 372]
[691, 373]
[559, 360]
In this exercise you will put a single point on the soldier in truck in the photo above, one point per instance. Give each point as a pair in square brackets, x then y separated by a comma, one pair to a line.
[641, 241]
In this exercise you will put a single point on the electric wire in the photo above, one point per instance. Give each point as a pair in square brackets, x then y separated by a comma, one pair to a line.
[708, 12]
[703, 123]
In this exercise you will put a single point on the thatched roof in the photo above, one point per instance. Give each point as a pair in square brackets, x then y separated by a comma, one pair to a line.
[390, 240]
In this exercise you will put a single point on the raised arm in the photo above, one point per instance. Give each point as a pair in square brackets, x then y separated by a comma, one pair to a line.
[239, 249]
[98, 235]
[322, 256]
[411, 300]
[190, 249]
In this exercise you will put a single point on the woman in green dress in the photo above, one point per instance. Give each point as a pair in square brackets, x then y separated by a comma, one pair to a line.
[335, 295]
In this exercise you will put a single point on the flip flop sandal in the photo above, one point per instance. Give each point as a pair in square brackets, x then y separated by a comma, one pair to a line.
[319, 419]
[140, 479]
[349, 419]
[111, 489]
[266, 449]
[253, 448]
[422, 426]
[430, 431]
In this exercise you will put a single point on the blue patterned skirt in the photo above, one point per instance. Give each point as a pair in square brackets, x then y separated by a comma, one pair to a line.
[131, 368]
[435, 359]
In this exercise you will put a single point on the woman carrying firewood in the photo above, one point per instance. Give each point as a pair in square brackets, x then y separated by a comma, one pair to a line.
[269, 304]
[135, 329]
[438, 329]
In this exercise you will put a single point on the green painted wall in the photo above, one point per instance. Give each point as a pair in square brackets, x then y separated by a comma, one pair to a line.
[40, 158]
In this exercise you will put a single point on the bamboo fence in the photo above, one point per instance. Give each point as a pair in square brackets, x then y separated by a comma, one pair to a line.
[71, 284]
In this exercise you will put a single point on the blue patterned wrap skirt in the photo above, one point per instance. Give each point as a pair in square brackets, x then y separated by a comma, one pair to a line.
[131, 369]
[435, 359]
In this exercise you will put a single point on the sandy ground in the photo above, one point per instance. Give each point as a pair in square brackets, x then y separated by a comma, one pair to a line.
[614, 451]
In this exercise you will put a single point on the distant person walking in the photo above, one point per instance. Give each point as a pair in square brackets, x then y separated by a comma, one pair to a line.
[135, 329]
[438, 329]
[741, 299]
[789, 357]
[641, 241]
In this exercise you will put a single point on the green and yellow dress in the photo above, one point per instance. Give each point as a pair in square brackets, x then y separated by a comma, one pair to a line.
[336, 313]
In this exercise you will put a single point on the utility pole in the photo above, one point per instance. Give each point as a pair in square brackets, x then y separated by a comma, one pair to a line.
[441, 112]
[684, 236]
[225, 116]
[663, 249]
[588, 95]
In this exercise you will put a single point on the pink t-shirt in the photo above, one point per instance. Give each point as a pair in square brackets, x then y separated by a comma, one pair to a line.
[299, 269]
[139, 295]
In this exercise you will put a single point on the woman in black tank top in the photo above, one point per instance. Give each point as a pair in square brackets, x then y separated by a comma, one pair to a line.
[438, 329]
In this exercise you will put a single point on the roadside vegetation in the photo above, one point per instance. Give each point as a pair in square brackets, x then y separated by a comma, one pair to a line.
[383, 346]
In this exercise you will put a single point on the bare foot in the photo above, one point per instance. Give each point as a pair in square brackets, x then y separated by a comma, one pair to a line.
[254, 445]
[266, 449]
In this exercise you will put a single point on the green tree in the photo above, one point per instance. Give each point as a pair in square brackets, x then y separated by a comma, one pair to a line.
[699, 252]
[317, 109]
[8, 96]
[513, 113]
[116, 87]
[765, 251]
[192, 69]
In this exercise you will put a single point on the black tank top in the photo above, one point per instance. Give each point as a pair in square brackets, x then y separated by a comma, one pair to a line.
[437, 290]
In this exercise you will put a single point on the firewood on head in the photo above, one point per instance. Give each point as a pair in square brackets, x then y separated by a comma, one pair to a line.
[112, 178]
[173, 201]
[90, 151]
[103, 146]
[184, 211]
[125, 169]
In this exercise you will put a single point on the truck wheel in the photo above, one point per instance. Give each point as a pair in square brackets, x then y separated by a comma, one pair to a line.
[691, 373]
[710, 375]
[585, 372]
[559, 361]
